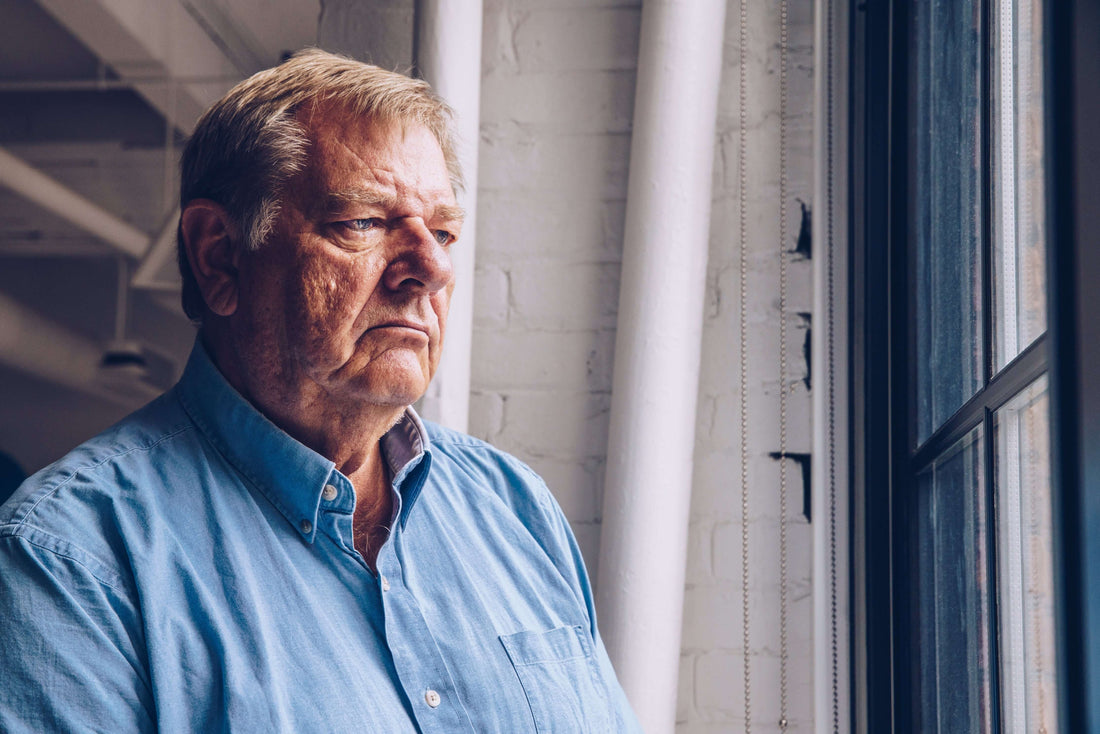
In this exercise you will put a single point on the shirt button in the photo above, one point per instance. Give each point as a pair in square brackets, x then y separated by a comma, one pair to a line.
[386, 587]
[432, 698]
[306, 526]
[328, 493]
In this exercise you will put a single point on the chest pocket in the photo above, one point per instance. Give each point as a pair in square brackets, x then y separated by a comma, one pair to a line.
[559, 675]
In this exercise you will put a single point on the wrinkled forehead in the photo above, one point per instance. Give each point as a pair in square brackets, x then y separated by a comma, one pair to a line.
[326, 124]
[347, 149]
[333, 120]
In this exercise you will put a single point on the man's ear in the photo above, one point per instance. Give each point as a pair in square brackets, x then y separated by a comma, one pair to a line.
[211, 242]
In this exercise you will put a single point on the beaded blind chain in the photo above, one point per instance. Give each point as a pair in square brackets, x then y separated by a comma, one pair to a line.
[742, 92]
[783, 94]
[830, 354]
[784, 650]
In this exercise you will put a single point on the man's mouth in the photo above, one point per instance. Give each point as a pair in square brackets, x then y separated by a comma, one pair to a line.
[403, 326]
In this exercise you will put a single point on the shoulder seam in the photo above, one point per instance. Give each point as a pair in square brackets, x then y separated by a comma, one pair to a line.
[84, 467]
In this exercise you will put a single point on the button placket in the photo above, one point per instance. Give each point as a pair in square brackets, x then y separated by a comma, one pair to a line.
[416, 653]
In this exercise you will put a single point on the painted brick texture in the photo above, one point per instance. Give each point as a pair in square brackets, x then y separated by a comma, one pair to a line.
[713, 671]
[557, 101]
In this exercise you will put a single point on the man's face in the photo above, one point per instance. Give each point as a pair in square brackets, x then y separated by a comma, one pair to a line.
[345, 304]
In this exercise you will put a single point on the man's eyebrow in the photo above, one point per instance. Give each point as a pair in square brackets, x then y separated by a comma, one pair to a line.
[450, 213]
[338, 201]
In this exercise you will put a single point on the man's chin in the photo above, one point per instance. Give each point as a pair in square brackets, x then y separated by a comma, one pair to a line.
[395, 390]
[396, 378]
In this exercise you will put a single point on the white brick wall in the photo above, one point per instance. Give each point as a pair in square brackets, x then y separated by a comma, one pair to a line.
[557, 101]
[712, 693]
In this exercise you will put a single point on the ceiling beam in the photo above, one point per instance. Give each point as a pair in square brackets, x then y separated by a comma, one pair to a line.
[256, 33]
[86, 247]
[32, 184]
[151, 44]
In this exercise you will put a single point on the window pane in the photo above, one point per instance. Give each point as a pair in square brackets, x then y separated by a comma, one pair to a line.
[1019, 270]
[947, 209]
[952, 594]
[1022, 460]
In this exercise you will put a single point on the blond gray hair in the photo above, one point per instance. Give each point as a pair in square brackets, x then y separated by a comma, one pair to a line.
[247, 146]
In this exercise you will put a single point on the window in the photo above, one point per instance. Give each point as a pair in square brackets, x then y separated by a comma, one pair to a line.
[961, 568]
[977, 487]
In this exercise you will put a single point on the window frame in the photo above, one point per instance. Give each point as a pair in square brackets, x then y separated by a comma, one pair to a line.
[1073, 267]
[883, 463]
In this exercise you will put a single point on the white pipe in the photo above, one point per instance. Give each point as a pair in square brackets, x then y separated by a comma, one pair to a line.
[36, 186]
[449, 58]
[647, 496]
[829, 468]
[35, 345]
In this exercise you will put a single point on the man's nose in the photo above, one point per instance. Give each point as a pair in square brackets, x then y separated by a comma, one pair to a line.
[420, 262]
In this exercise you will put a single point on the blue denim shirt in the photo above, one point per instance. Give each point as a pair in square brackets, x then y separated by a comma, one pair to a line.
[192, 570]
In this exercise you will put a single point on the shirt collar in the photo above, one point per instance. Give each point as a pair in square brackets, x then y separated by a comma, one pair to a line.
[408, 452]
[290, 474]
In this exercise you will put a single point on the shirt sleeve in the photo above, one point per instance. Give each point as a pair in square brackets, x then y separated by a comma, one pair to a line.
[72, 654]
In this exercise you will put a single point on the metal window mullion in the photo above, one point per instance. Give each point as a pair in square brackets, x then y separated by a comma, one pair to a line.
[1018, 374]
[992, 560]
[985, 182]
[986, 178]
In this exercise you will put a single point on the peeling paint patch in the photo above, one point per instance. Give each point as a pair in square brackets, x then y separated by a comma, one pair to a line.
[807, 346]
[803, 462]
[803, 248]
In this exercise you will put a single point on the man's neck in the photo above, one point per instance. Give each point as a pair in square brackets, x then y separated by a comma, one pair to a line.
[349, 435]
[373, 516]
[370, 475]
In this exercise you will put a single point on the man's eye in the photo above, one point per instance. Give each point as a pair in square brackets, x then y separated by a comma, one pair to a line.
[362, 225]
[443, 237]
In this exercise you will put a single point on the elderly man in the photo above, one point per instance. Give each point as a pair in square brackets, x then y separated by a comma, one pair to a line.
[279, 544]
